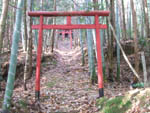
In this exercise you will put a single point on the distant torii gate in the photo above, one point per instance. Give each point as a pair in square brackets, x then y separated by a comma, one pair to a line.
[63, 32]
[69, 25]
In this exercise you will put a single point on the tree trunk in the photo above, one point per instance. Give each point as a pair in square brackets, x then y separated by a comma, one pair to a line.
[91, 60]
[41, 5]
[81, 43]
[108, 30]
[134, 20]
[142, 22]
[130, 22]
[28, 62]
[30, 41]
[25, 25]
[13, 58]
[35, 39]
[102, 52]
[57, 40]
[0, 76]
[118, 36]
[102, 33]
[124, 21]
[14, 11]
[110, 41]
[146, 18]
[144, 68]
[53, 31]
[3, 22]
[8, 34]
[96, 7]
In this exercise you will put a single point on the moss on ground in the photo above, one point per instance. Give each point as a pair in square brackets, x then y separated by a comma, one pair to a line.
[138, 99]
[51, 84]
[22, 103]
[114, 105]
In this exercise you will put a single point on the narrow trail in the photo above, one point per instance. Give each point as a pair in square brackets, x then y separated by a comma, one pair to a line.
[67, 86]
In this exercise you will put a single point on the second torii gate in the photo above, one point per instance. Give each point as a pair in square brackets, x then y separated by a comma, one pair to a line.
[68, 26]
[69, 32]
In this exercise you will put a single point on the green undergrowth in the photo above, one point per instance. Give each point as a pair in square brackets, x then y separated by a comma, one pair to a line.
[137, 98]
[49, 60]
[51, 84]
[1, 101]
[54, 62]
[114, 105]
[22, 103]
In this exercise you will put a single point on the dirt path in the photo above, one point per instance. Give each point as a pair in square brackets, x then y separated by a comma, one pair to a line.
[67, 87]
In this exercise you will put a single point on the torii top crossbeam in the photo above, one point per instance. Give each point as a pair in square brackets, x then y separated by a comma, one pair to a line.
[72, 13]
[69, 25]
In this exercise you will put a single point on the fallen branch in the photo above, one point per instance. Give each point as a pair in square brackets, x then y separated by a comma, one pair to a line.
[123, 53]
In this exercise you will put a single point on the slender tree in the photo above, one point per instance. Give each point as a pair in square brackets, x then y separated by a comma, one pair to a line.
[80, 35]
[118, 36]
[142, 22]
[124, 22]
[130, 22]
[3, 19]
[102, 33]
[146, 21]
[134, 20]
[25, 24]
[146, 18]
[41, 5]
[91, 60]
[28, 62]
[81, 44]
[30, 38]
[14, 11]
[0, 76]
[53, 31]
[13, 58]
[111, 40]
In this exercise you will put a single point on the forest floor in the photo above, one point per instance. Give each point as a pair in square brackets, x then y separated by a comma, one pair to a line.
[65, 87]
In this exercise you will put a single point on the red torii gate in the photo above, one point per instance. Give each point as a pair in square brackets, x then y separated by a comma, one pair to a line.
[69, 26]
[63, 35]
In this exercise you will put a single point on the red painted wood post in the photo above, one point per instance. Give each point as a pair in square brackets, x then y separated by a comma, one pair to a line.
[63, 34]
[70, 33]
[69, 23]
[68, 20]
[99, 58]
[71, 13]
[39, 52]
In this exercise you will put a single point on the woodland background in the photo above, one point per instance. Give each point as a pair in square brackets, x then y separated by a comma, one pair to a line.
[128, 23]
